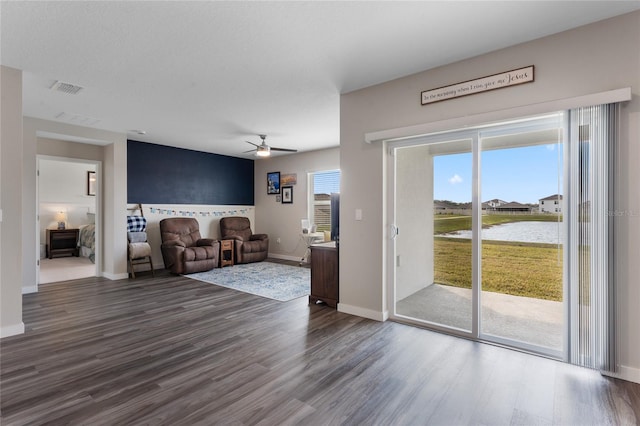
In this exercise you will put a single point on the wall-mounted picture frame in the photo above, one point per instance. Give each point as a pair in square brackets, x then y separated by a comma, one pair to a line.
[91, 183]
[288, 179]
[273, 183]
[287, 195]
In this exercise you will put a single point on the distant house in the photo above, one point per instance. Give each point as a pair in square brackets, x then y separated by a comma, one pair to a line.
[493, 204]
[439, 206]
[551, 204]
[449, 207]
[513, 207]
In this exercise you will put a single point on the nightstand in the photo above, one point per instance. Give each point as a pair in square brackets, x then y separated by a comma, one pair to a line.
[62, 242]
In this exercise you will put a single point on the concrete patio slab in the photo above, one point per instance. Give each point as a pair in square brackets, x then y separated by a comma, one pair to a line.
[534, 321]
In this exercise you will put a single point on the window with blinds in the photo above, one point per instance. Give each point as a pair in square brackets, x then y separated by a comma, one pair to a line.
[321, 186]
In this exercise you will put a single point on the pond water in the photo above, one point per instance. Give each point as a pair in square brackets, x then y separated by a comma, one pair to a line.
[528, 232]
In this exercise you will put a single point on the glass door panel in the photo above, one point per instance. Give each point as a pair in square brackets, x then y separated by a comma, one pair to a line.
[433, 248]
[522, 240]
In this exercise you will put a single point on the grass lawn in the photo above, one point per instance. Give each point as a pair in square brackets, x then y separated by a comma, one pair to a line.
[519, 269]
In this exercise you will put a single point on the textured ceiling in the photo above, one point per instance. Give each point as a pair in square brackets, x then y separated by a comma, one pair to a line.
[210, 75]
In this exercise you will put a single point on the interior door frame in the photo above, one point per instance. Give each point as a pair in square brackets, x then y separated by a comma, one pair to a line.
[98, 213]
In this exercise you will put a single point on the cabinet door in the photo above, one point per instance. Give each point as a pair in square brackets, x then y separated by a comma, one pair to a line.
[324, 273]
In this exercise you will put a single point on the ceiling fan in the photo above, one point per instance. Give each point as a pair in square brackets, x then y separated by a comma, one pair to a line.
[264, 150]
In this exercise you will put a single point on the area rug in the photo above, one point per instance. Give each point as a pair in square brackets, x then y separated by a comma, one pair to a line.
[266, 279]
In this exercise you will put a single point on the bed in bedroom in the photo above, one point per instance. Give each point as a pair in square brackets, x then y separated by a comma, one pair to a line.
[87, 241]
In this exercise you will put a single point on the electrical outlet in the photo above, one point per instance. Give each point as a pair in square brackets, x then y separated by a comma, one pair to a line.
[278, 241]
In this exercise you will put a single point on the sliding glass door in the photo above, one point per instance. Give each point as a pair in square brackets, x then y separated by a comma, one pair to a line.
[478, 248]
[504, 233]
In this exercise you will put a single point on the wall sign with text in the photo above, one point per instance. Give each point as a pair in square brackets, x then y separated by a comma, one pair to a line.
[479, 85]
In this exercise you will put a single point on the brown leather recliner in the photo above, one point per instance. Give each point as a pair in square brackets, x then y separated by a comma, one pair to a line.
[183, 249]
[248, 247]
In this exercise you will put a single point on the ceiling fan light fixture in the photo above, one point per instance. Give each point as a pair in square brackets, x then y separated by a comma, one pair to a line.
[263, 151]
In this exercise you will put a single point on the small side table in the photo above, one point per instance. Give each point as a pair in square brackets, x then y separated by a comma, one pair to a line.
[226, 253]
[62, 242]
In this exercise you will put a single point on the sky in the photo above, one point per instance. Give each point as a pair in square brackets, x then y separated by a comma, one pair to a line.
[524, 175]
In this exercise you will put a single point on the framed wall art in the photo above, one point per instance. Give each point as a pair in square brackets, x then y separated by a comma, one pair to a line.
[287, 195]
[91, 183]
[288, 179]
[273, 183]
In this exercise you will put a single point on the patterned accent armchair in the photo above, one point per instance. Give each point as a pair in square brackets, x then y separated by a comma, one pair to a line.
[184, 251]
[249, 247]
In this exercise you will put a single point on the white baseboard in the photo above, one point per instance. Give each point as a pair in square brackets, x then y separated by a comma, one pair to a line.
[30, 289]
[285, 257]
[363, 312]
[12, 330]
[629, 374]
[115, 277]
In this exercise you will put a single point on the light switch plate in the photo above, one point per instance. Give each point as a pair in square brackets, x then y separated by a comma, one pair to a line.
[358, 214]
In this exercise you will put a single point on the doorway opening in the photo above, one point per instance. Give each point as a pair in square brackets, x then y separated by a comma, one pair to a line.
[68, 216]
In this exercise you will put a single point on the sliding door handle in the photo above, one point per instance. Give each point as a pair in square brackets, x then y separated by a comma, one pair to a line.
[394, 231]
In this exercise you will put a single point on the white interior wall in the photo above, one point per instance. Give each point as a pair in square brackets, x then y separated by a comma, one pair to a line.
[114, 192]
[283, 220]
[596, 58]
[414, 217]
[11, 192]
[65, 181]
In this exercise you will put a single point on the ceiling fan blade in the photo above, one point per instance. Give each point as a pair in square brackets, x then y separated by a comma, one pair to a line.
[251, 150]
[283, 149]
[252, 143]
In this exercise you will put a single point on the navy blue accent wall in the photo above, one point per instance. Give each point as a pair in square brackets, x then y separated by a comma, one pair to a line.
[158, 174]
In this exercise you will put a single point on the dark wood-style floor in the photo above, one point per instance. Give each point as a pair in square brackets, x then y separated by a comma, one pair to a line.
[174, 351]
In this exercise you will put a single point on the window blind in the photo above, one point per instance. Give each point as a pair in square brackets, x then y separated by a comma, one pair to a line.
[326, 182]
[592, 136]
[323, 185]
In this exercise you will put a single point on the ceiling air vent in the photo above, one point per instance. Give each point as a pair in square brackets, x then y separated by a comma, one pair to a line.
[68, 88]
[77, 119]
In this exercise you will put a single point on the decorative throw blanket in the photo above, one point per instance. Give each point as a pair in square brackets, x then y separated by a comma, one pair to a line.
[137, 237]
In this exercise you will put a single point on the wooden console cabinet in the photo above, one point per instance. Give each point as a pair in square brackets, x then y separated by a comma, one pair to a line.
[324, 274]
[62, 242]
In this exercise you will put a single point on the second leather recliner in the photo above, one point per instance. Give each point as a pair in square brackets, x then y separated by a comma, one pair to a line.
[249, 247]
